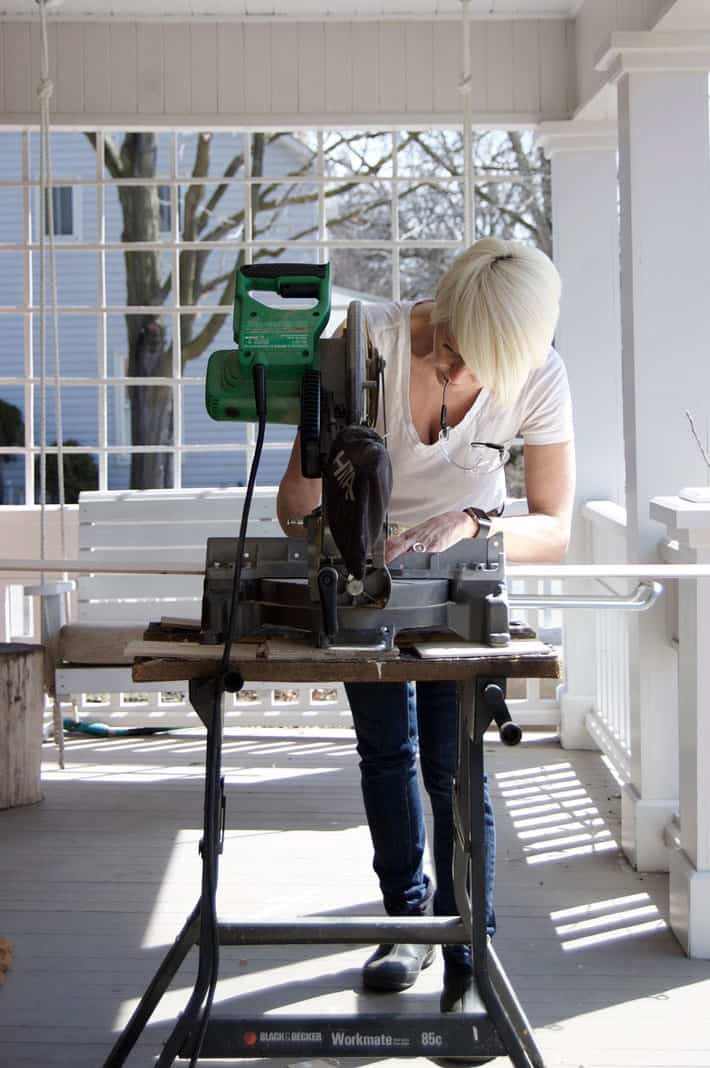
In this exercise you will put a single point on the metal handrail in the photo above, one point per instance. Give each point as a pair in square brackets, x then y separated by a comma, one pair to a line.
[645, 595]
[513, 571]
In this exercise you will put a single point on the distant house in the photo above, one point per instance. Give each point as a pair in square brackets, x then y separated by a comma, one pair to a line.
[85, 283]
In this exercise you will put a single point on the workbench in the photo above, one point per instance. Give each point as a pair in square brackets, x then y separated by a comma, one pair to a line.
[498, 1025]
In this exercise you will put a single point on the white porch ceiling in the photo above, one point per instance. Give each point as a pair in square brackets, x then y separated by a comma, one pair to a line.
[294, 9]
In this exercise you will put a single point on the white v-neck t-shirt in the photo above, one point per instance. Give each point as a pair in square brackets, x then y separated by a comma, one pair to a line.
[425, 482]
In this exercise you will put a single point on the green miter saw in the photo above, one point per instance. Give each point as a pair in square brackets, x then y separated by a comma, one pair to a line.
[334, 584]
[330, 389]
[319, 385]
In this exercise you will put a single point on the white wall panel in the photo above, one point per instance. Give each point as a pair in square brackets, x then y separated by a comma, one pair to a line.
[176, 53]
[70, 80]
[260, 7]
[151, 69]
[366, 62]
[557, 89]
[446, 49]
[283, 68]
[393, 77]
[526, 65]
[240, 73]
[203, 68]
[310, 40]
[230, 64]
[19, 90]
[479, 67]
[257, 68]
[420, 66]
[122, 64]
[339, 67]
[97, 75]
[500, 67]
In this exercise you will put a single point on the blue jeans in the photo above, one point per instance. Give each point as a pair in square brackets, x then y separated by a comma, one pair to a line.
[389, 717]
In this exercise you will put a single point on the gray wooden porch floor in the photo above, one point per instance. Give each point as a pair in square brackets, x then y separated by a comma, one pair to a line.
[98, 879]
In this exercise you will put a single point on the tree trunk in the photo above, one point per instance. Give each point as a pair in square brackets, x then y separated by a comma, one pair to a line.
[149, 352]
[151, 406]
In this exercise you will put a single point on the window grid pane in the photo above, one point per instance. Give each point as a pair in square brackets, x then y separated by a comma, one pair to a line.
[153, 225]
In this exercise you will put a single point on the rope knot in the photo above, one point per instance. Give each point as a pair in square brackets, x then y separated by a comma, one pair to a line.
[45, 89]
[464, 86]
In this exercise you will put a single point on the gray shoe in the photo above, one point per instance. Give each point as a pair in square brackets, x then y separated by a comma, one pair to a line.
[396, 967]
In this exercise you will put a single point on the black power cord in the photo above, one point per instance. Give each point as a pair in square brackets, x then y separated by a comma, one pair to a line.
[223, 683]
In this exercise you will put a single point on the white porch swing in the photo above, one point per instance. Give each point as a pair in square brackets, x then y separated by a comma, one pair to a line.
[54, 596]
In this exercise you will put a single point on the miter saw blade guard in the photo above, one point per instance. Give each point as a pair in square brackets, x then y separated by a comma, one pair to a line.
[357, 483]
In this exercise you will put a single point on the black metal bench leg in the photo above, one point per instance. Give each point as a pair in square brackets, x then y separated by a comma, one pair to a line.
[198, 928]
[155, 990]
[206, 698]
[493, 985]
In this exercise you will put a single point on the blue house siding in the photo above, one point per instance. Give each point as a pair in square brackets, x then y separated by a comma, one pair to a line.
[78, 287]
[12, 343]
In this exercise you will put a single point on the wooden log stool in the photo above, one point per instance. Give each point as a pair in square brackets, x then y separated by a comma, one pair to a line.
[21, 714]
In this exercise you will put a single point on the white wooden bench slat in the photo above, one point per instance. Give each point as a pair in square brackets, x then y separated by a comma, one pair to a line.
[191, 555]
[75, 680]
[168, 533]
[117, 588]
[139, 612]
[182, 508]
[188, 493]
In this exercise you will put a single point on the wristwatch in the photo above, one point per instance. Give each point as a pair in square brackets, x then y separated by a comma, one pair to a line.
[483, 520]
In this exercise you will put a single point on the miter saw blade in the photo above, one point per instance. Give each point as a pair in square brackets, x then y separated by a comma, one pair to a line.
[363, 366]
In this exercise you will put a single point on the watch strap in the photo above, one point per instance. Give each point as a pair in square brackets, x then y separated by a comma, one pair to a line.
[483, 520]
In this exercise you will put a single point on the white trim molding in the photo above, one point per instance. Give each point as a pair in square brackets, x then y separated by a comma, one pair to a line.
[651, 52]
[576, 136]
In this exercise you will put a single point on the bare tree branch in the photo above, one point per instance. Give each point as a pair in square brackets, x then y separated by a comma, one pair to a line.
[211, 205]
[210, 284]
[111, 156]
[195, 347]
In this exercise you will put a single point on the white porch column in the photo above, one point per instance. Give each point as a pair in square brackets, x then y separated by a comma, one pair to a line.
[664, 177]
[586, 251]
[690, 856]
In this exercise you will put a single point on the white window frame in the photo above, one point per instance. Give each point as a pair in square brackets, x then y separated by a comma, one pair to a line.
[104, 378]
[77, 233]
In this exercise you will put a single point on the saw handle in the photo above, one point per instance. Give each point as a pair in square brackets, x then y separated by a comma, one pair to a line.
[281, 272]
[510, 733]
[328, 590]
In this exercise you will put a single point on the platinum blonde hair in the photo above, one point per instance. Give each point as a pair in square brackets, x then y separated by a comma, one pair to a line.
[500, 301]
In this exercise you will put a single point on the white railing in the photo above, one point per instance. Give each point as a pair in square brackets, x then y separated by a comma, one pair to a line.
[609, 721]
[259, 704]
[533, 702]
[686, 827]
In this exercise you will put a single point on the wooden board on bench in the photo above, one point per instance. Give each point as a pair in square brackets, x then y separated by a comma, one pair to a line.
[160, 657]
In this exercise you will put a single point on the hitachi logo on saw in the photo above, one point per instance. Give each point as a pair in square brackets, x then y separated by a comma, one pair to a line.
[344, 475]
